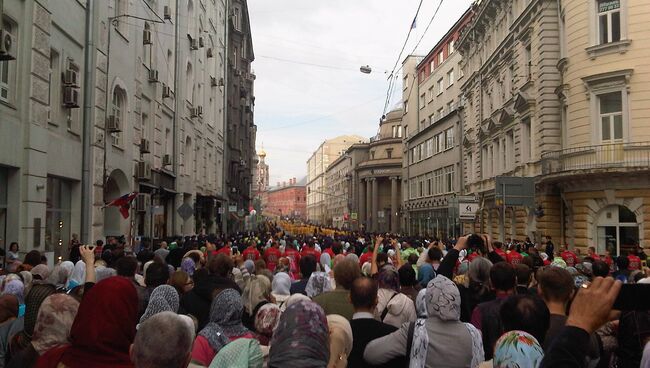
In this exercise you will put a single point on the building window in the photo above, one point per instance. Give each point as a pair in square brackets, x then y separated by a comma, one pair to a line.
[429, 144]
[54, 97]
[451, 47]
[440, 86]
[8, 68]
[189, 86]
[118, 107]
[449, 138]
[422, 101]
[470, 167]
[611, 117]
[450, 78]
[526, 143]
[389, 153]
[609, 21]
[449, 179]
[438, 180]
[57, 214]
[429, 186]
[147, 49]
[431, 94]
[406, 107]
[432, 66]
[510, 154]
[440, 58]
[484, 163]
[529, 61]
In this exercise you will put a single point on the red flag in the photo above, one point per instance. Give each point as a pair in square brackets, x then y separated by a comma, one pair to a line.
[124, 203]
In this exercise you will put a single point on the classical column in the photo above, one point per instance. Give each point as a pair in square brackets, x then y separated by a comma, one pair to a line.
[369, 215]
[361, 216]
[394, 196]
[375, 203]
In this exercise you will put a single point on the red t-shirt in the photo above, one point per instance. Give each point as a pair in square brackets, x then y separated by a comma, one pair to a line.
[635, 263]
[610, 263]
[306, 251]
[472, 257]
[569, 257]
[514, 257]
[501, 253]
[272, 256]
[294, 258]
[225, 250]
[251, 253]
[366, 257]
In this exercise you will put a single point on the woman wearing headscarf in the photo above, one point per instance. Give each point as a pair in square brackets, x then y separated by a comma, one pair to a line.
[296, 298]
[256, 293]
[28, 280]
[266, 320]
[8, 308]
[301, 339]
[33, 301]
[40, 273]
[181, 281]
[340, 341]
[478, 290]
[352, 257]
[245, 353]
[319, 282]
[188, 265]
[100, 342]
[393, 307]
[440, 340]
[225, 326]
[164, 298]
[52, 329]
[60, 274]
[16, 288]
[516, 349]
[78, 276]
[281, 289]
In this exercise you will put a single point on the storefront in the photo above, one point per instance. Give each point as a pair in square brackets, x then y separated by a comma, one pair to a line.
[58, 215]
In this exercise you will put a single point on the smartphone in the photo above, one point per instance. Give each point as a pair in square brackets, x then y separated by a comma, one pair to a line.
[633, 297]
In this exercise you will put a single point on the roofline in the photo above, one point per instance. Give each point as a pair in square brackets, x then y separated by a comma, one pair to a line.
[451, 30]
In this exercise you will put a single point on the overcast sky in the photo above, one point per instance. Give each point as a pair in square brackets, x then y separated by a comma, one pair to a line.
[307, 59]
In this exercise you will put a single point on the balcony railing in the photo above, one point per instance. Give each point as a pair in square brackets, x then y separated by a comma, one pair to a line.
[605, 156]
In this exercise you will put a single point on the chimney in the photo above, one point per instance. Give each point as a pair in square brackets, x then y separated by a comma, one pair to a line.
[294, 181]
[278, 184]
[284, 183]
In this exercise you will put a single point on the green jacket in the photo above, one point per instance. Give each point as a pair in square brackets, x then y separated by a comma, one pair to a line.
[336, 302]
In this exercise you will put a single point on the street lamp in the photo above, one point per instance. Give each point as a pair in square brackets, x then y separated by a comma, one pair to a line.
[365, 69]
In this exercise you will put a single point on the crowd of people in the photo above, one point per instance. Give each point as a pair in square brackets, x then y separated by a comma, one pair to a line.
[274, 299]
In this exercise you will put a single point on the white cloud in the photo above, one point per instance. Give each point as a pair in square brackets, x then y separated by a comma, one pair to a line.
[297, 106]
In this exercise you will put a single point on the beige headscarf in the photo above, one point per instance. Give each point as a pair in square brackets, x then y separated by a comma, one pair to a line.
[340, 341]
[257, 290]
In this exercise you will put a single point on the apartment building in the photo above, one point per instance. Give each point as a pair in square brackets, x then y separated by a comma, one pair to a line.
[511, 116]
[143, 111]
[599, 175]
[432, 146]
[317, 164]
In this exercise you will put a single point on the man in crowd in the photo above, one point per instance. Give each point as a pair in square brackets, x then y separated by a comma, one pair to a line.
[162, 252]
[272, 256]
[569, 257]
[307, 267]
[337, 301]
[365, 328]
[251, 253]
[166, 329]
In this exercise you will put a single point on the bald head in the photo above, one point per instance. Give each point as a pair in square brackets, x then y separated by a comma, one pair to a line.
[163, 329]
[363, 293]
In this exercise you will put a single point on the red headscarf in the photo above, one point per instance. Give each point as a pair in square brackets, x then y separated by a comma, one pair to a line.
[103, 330]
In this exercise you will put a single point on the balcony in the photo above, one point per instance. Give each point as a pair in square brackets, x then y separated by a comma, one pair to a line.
[598, 158]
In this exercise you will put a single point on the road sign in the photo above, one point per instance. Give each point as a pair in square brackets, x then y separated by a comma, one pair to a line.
[467, 210]
[185, 211]
[380, 214]
[232, 208]
[515, 191]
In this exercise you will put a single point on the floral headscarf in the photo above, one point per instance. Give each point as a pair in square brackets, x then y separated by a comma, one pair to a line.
[164, 298]
[281, 284]
[301, 339]
[54, 322]
[296, 298]
[388, 278]
[421, 304]
[558, 262]
[443, 299]
[244, 353]
[517, 349]
[318, 283]
[42, 271]
[267, 319]
[188, 266]
[33, 303]
[225, 319]
[15, 288]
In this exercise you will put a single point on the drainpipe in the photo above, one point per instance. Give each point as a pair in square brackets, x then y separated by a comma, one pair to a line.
[89, 82]
[226, 156]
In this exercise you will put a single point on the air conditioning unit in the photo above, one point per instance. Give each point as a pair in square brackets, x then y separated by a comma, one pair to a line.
[166, 91]
[167, 160]
[70, 78]
[213, 81]
[201, 44]
[153, 75]
[7, 46]
[221, 82]
[194, 44]
[208, 53]
[199, 110]
[143, 170]
[146, 37]
[70, 97]
[167, 13]
[113, 124]
[194, 112]
[242, 162]
[142, 202]
[144, 146]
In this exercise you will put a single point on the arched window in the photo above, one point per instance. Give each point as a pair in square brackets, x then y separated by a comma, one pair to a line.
[189, 80]
[187, 156]
[118, 109]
